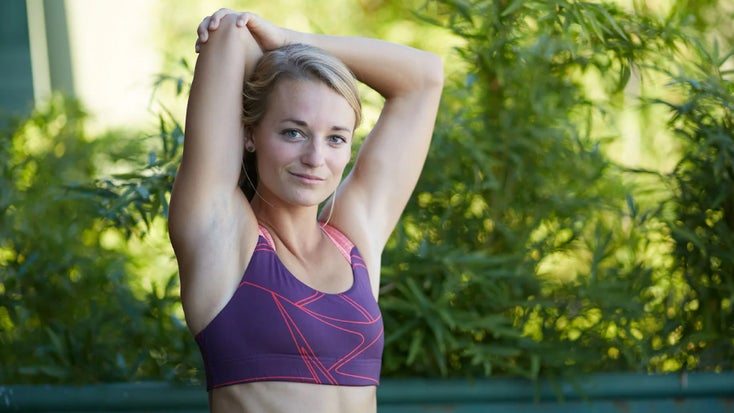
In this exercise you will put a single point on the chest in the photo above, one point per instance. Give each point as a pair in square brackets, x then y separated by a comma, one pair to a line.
[276, 326]
[325, 270]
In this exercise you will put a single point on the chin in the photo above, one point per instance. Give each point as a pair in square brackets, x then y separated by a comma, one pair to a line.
[307, 199]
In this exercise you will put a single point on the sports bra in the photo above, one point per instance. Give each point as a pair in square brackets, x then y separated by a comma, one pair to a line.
[276, 328]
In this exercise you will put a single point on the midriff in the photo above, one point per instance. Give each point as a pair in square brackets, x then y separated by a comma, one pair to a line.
[287, 397]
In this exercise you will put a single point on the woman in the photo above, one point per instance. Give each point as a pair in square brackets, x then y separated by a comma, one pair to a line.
[282, 299]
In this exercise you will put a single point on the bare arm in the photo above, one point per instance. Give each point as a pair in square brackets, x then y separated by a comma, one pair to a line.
[208, 213]
[214, 141]
[392, 157]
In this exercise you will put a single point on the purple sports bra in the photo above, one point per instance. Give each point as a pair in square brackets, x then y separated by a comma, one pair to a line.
[276, 328]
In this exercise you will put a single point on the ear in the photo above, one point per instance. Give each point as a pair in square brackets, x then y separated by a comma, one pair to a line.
[249, 140]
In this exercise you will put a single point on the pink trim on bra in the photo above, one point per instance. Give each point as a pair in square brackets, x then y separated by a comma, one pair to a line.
[342, 243]
[340, 240]
[265, 233]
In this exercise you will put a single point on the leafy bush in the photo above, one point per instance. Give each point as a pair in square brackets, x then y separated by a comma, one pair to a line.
[703, 223]
[523, 253]
[68, 311]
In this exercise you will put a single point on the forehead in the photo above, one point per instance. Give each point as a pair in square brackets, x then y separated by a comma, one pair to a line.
[311, 101]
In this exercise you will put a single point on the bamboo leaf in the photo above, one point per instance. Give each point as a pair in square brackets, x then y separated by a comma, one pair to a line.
[416, 345]
[512, 7]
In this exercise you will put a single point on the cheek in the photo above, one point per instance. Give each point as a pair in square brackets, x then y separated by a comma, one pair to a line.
[268, 164]
[274, 153]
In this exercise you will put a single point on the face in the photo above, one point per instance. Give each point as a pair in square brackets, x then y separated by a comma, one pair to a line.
[303, 142]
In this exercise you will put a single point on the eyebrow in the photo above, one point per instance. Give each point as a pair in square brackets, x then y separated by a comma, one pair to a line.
[305, 124]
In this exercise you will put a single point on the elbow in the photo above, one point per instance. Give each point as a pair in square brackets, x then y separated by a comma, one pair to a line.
[433, 75]
[424, 77]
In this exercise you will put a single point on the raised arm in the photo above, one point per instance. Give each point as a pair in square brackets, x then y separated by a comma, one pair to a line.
[392, 156]
[214, 142]
[208, 212]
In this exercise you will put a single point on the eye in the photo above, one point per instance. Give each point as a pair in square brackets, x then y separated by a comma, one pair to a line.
[292, 134]
[336, 139]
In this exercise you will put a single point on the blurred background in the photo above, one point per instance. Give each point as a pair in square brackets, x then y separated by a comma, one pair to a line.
[575, 214]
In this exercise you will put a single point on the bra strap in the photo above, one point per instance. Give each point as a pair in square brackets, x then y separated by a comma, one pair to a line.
[266, 234]
[340, 240]
[343, 244]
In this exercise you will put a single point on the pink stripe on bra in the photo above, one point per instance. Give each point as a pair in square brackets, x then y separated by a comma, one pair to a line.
[277, 329]
[342, 243]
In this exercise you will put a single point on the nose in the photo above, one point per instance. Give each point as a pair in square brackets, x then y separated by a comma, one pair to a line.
[313, 154]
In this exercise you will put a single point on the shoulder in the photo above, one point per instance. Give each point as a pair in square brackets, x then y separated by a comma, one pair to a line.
[353, 227]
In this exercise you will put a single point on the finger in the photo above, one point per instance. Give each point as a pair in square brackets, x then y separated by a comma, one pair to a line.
[197, 48]
[242, 20]
[217, 17]
[202, 32]
[253, 21]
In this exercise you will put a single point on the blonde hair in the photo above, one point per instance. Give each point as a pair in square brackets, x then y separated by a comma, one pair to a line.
[292, 62]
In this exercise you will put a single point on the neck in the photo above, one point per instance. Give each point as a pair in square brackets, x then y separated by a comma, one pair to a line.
[295, 227]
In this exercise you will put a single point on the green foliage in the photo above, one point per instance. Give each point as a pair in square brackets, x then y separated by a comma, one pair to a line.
[523, 251]
[521, 180]
[131, 201]
[68, 312]
[703, 226]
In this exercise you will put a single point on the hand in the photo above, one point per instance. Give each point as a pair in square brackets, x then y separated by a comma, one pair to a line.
[267, 35]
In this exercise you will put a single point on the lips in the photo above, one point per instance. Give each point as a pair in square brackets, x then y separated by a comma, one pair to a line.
[307, 177]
